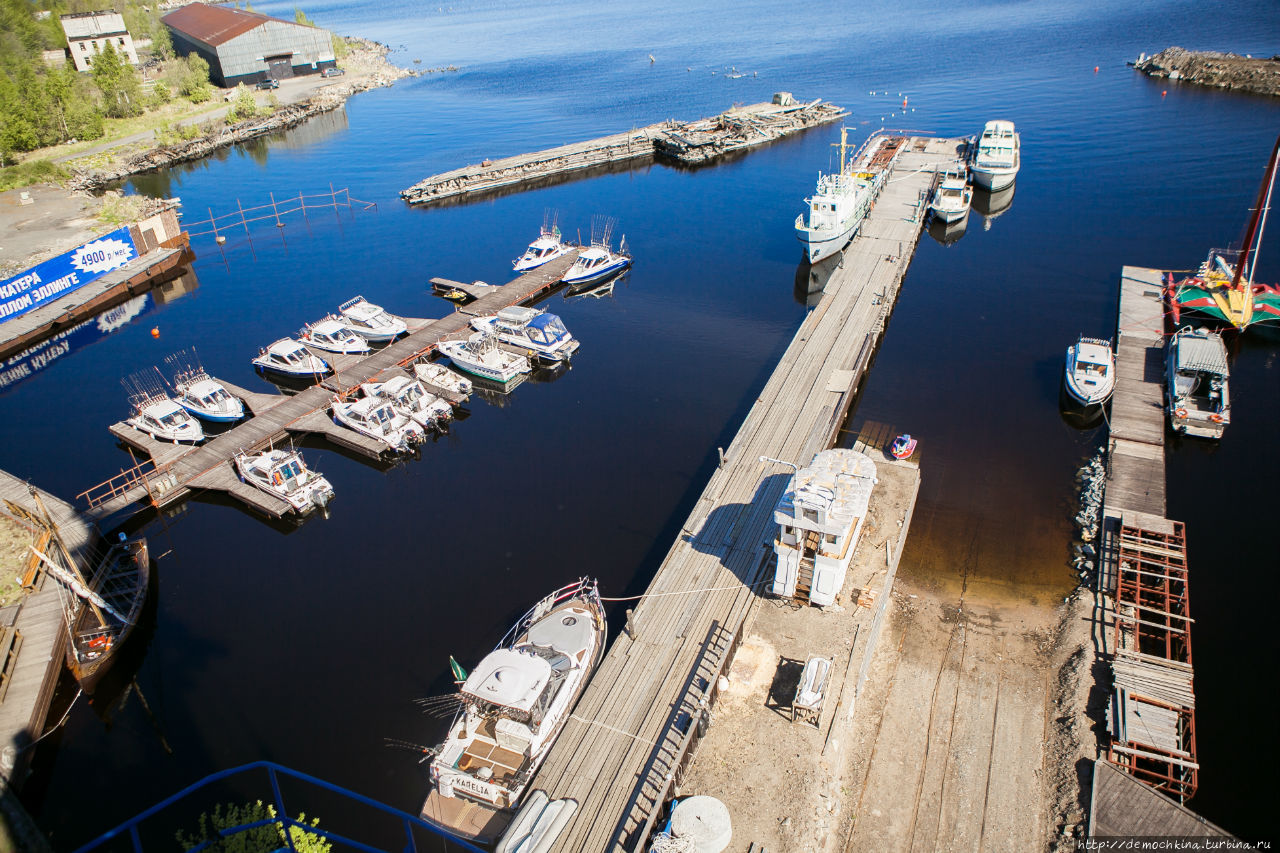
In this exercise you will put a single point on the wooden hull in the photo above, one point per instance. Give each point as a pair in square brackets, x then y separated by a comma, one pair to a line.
[94, 648]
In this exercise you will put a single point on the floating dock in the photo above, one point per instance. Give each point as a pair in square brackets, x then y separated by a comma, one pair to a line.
[632, 733]
[683, 143]
[172, 473]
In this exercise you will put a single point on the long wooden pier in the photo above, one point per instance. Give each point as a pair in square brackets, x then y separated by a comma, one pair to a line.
[173, 472]
[687, 143]
[634, 726]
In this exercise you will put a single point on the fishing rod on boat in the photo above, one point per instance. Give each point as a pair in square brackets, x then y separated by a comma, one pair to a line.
[428, 752]
[439, 706]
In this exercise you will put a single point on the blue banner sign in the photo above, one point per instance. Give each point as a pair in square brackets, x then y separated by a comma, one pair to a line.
[50, 280]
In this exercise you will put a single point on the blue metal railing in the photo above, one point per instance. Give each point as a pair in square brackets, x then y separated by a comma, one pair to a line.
[281, 818]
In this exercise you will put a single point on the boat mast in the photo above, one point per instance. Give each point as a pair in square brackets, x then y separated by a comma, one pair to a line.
[73, 569]
[1264, 199]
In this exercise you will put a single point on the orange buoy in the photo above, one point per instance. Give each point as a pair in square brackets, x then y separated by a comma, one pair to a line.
[1095, 69]
[1165, 92]
[155, 331]
[904, 103]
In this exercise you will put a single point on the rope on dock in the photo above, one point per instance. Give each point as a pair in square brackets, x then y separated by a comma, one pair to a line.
[684, 592]
[612, 729]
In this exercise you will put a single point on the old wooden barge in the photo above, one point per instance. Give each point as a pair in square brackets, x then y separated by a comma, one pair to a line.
[682, 143]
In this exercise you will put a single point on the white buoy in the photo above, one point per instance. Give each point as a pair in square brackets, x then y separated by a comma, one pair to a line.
[704, 821]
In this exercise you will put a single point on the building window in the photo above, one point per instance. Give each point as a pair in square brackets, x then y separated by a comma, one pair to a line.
[88, 61]
[82, 47]
[122, 41]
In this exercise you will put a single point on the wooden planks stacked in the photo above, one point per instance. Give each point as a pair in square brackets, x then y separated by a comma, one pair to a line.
[622, 741]
[1136, 478]
[306, 411]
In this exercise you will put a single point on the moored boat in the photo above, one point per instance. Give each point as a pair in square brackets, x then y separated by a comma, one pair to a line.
[408, 395]
[533, 329]
[903, 446]
[481, 356]
[514, 704]
[201, 394]
[284, 474]
[106, 617]
[546, 248]
[842, 200]
[598, 261]
[370, 321]
[952, 198]
[380, 420]
[288, 357]
[998, 156]
[333, 335]
[442, 377]
[1090, 374]
[162, 418]
[1196, 389]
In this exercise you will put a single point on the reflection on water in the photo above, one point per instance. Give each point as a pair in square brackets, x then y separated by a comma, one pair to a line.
[811, 279]
[991, 205]
[948, 233]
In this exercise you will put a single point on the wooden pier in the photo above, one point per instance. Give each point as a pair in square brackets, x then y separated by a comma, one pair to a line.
[686, 143]
[172, 473]
[633, 730]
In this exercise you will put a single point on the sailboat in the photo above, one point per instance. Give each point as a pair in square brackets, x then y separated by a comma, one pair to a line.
[1223, 288]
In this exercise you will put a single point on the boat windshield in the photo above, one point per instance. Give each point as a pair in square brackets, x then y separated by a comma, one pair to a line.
[547, 328]
[215, 397]
[172, 419]
[290, 470]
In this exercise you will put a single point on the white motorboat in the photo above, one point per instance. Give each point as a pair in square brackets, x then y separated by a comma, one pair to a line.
[997, 157]
[819, 519]
[207, 398]
[481, 356]
[1196, 392]
[442, 377]
[379, 420]
[333, 335]
[287, 357]
[532, 328]
[370, 321]
[546, 248]
[952, 198]
[1090, 374]
[410, 397]
[841, 201]
[598, 261]
[160, 417]
[514, 704]
[282, 473]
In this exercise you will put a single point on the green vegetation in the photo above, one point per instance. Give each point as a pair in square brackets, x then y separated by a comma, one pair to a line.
[31, 172]
[243, 106]
[261, 839]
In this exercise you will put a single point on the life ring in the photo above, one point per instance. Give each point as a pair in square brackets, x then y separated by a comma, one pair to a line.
[1216, 418]
[1180, 413]
[276, 478]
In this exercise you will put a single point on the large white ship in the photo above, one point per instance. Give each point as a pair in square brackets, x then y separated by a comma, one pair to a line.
[842, 200]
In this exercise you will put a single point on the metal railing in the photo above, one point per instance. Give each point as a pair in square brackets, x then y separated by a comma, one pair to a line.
[139, 476]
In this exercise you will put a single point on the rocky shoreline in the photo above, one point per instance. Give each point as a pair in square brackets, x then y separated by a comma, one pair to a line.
[368, 69]
[1221, 70]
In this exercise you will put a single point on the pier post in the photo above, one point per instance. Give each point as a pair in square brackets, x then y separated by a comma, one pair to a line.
[630, 627]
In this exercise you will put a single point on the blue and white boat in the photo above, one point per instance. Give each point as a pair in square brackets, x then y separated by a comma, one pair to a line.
[370, 321]
[598, 261]
[533, 329]
[546, 248]
[199, 393]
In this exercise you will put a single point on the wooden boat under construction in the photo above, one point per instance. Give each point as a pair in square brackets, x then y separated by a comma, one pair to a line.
[101, 622]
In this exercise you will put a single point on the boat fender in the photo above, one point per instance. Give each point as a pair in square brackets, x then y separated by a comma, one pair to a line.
[1180, 413]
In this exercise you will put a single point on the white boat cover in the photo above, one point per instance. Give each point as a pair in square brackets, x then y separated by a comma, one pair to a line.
[566, 633]
[1202, 351]
[508, 678]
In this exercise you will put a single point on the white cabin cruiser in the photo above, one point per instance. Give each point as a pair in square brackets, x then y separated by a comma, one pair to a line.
[546, 248]
[595, 263]
[531, 328]
[282, 473]
[408, 395]
[287, 357]
[998, 156]
[379, 420]
[442, 377]
[162, 418]
[842, 200]
[333, 335]
[370, 321]
[1196, 391]
[514, 705]
[1091, 371]
[819, 519]
[952, 198]
[207, 398]
[481, 356]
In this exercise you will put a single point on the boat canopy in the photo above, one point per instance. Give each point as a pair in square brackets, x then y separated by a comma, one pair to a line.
[830, 493]
[518, 314]
[1202, 353]
[548, 326]
[568, 633]
[509, 679]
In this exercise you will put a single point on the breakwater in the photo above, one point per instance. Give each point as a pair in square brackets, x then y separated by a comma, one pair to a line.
[1209, 68]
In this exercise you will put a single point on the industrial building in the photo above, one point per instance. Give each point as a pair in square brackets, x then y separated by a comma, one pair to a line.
[247, 47]
[88, 32]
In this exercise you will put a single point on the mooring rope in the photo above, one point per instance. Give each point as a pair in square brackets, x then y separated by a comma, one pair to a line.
[684, 592]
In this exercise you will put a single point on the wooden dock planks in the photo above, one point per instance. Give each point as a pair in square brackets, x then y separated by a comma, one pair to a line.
[276, 417]
[621, 742]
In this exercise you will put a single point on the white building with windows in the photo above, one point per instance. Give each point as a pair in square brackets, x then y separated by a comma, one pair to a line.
[89, 32]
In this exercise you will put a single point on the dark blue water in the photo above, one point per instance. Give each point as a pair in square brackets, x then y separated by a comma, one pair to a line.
[307, 647]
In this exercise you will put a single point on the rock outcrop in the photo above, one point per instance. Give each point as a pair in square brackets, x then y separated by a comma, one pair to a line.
[1207, 68]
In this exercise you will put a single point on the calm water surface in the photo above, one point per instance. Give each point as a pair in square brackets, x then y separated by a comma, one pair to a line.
[307, 646]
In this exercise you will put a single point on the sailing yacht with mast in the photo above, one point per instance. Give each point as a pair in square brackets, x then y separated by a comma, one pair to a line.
[842, 200]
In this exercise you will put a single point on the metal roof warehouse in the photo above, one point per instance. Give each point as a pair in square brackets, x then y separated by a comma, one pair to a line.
[248, 47]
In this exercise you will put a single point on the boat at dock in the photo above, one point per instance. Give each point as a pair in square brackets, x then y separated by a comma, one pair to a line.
[102, 620]
[371, 322]
[953, 196]
[408, 395]
[998, 156]
[284, 474]
[1090, 374]
[1222, 289]
[162, 418]
[1196, 389]
[842, 200]
[533, 329]
[514, 704]
[820, 518]
[442, 377]
[333, 335]
[546, 248]
[380, 420]
[598, 261]
[288, 357]
[201, 394]
[481, 356]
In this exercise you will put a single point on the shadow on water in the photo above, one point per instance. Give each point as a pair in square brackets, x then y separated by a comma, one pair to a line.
[947, 233]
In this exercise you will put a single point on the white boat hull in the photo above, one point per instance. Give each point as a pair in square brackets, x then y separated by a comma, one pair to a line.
[994, 179]
[820, 245]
